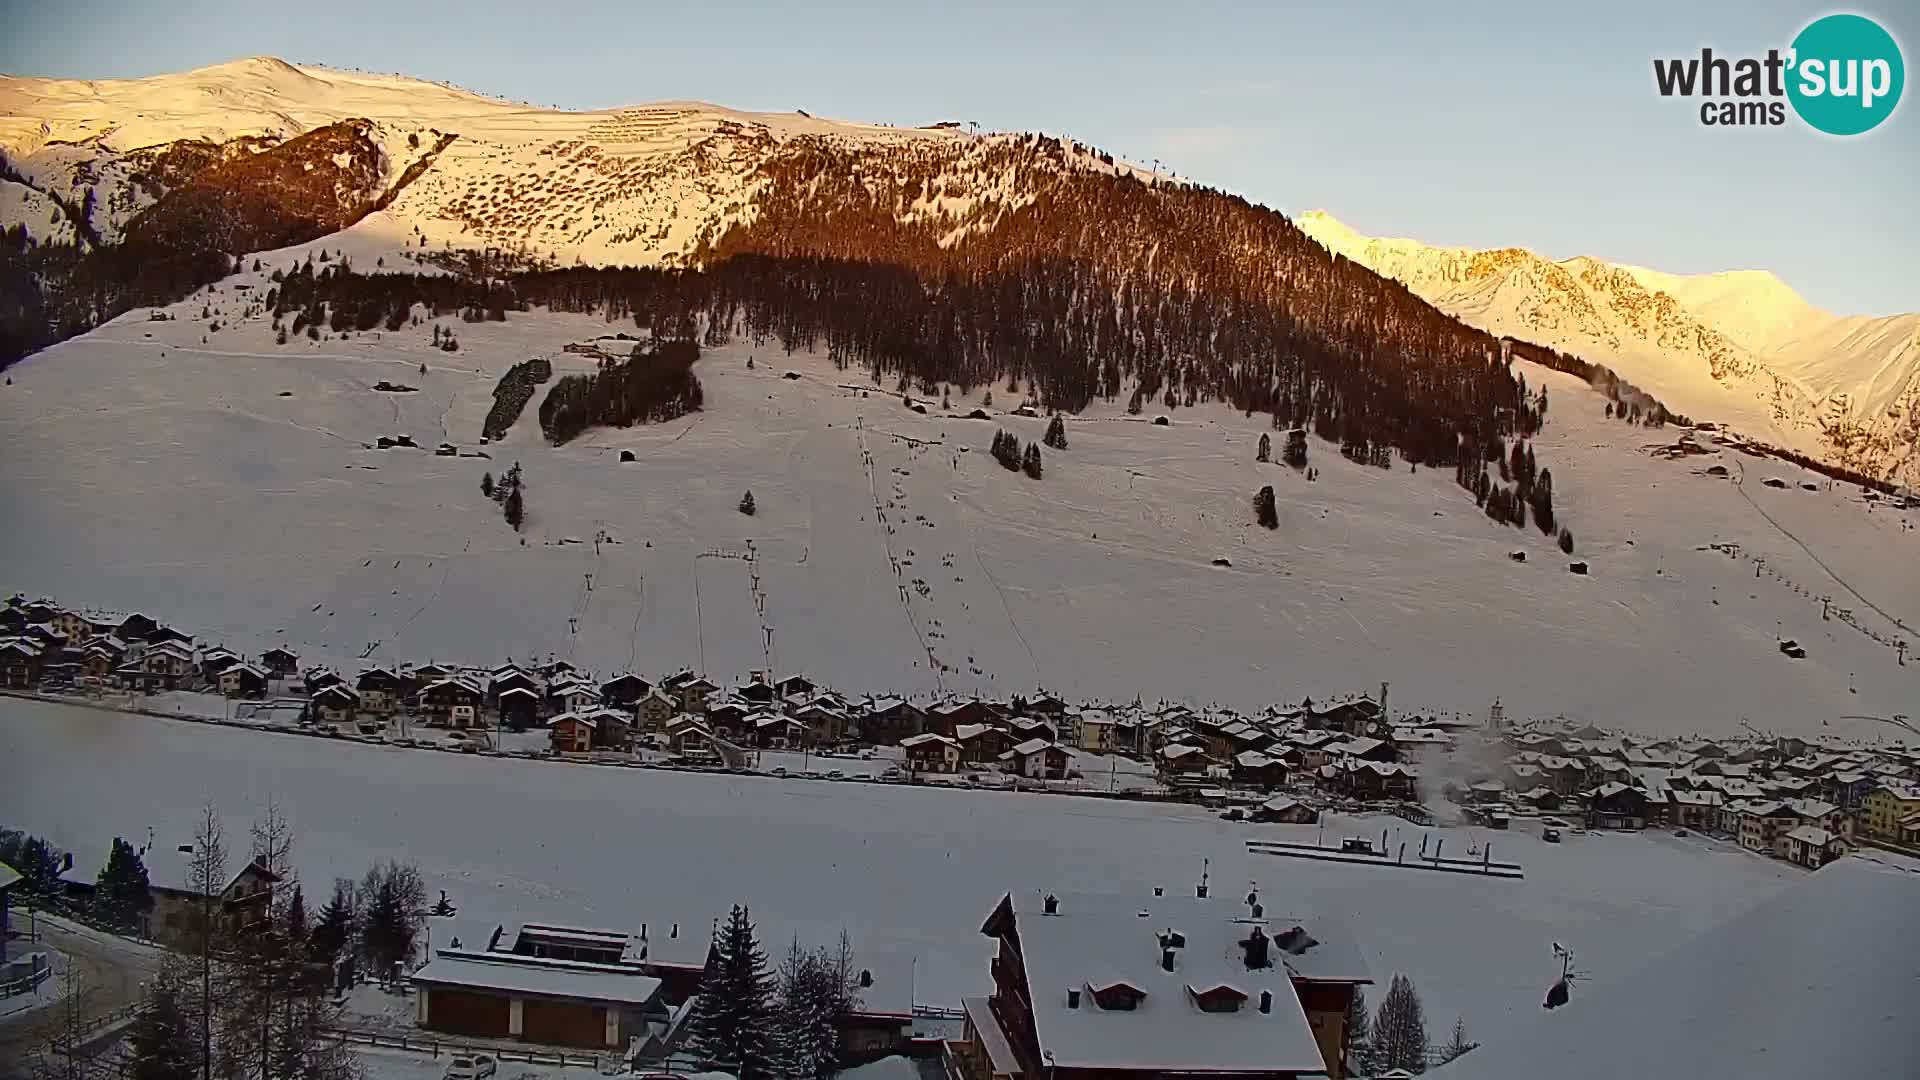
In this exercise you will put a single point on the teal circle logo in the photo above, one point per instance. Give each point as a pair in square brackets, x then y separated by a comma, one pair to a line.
[1846, 74]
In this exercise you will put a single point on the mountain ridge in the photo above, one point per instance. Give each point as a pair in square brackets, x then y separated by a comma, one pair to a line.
[1738, 347]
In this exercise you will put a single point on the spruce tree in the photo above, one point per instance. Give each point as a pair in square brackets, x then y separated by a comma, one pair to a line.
[1359, 1042]
[1030, 462]
[1265, 453]
[1400, 1029]
[1056, 435]
[335, 927]
[1264, 510]
[515, 509]
[735, 1014]
[1566, 539]
[121, 894]
[746, 504]
[161, 1042]
[486, 484]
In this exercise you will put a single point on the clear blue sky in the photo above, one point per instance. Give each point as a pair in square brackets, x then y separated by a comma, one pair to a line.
[1466, 123]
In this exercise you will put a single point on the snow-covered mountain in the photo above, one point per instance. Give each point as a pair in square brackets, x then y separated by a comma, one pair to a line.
[633, 186]
[1739, 348]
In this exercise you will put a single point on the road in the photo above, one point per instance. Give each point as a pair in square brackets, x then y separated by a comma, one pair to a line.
[108, 972]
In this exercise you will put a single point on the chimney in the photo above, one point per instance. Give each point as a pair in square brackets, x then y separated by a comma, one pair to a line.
[1052, 904]
[1158, 891]
[675, 932]
[1073, 997]
[1266, 1001]
[1256, 949]
[643, 931]
[1166, 959]
[1258, 911]
[866, 977]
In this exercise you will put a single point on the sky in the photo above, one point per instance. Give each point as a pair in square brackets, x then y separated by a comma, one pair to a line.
[1473, 124]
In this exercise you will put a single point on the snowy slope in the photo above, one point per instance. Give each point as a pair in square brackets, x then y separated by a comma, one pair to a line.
[266, 518]
[632, 186]
[1740, 348]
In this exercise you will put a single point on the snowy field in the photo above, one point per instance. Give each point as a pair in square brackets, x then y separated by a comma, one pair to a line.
[230, 486]
[902, 869]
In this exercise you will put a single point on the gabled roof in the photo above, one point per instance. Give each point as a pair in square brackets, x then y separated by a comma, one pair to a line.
[574, 718]
[925, 738]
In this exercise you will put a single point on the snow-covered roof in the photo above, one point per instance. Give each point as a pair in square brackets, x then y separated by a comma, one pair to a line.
[924, 738]
[523, 975]
[8, 876]
[1817, 980]
[1176, 751]
[1812, 835]
[1099, 941]
[1031, 746]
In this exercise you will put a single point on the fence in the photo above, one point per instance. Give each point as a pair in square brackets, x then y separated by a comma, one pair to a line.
[38, 968]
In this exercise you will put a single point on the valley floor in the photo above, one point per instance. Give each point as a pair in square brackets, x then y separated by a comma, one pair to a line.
[903, 870]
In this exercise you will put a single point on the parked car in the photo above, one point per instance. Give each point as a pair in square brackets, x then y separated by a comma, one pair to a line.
[1550, 835]
[780, 770]
[1357, 845]
[836, 774]
[471, 1067]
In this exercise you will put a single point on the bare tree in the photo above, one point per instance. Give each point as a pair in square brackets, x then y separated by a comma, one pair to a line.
[207, 878]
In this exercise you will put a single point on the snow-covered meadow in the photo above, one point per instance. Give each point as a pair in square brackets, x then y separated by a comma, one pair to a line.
[903, 869]
[229, 486]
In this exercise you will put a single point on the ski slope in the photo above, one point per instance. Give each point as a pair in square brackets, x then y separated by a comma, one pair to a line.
[231, 486]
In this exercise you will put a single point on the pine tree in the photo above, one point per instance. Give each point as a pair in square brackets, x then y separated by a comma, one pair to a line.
[1056, 435]
[733, 1019]
[1264, 510]
[1459, 1044]
[1359, 1043]
[1030, 462]
[1400, 1029]
[486, 484]
[121, 895]
[393, 900]
[986, 399]
[1265, 453]
[746, 504]
[161, 1042]
[296, 922]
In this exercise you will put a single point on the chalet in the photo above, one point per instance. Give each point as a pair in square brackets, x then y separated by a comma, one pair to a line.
[573, 696]
[1351, 717]
[1616, 806]
[1811, 846]
[982, 744]
[687, 735]
[890, 719]
[243, 680]
[774, 731]
[216, 660]
[1411, 740]
[135, 627]
[167, 633]
[72, 626]
[520, 708]
[1256, 769]
[1694, 809]
[727, 716]
[757, 690]
[1375, 780]
[315, 679]
[166, 666]
[335, 704]
[1286, 810]
[1037, 759]
[380, 690]
[178, 915]
[1823, 814]
[796, 686]
[624, 691]
[20, 662]
[1084, 986]
[1363, 747]
[1184, 759]
[1541, 798]
[1032, 727]
[573, 733]
[508, 678]
[1047, 707]
[946, 717]
[1847, 788]
[98, 660]
[930, 752]
[556, 670]
[655, 708]
[280, 663]
[826, 724]
[448, 701]
[691, 689]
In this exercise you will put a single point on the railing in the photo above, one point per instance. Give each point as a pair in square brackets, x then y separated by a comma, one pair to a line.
[435, 1048]
[27, 983]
